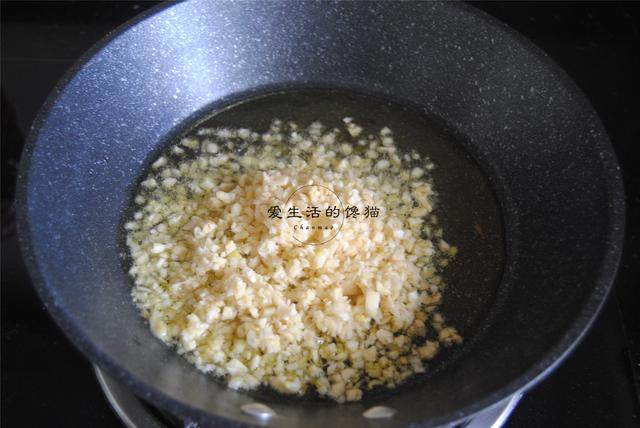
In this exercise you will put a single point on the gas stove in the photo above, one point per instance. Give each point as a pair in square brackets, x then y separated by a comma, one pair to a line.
[136, 413]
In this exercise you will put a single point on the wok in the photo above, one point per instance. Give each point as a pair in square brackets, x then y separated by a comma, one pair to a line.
[528, 181]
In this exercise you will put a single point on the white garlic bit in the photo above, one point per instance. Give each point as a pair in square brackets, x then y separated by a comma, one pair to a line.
[235, 293]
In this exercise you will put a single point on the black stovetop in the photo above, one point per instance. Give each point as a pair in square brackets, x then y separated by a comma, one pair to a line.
[46, 382]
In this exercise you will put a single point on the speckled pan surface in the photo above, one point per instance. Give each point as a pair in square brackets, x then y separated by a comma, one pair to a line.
[538, 140]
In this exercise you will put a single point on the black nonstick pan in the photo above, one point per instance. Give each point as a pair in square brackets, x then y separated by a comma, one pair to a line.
[529, 187]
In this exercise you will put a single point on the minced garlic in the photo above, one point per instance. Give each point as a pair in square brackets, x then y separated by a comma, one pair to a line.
[240, 296]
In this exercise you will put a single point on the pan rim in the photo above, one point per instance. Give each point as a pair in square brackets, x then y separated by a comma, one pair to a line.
[548, 362]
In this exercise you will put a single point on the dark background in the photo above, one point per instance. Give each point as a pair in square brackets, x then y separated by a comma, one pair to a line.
[46, 382]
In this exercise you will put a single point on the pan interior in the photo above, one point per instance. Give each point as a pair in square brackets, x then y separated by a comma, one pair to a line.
[467, 209]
